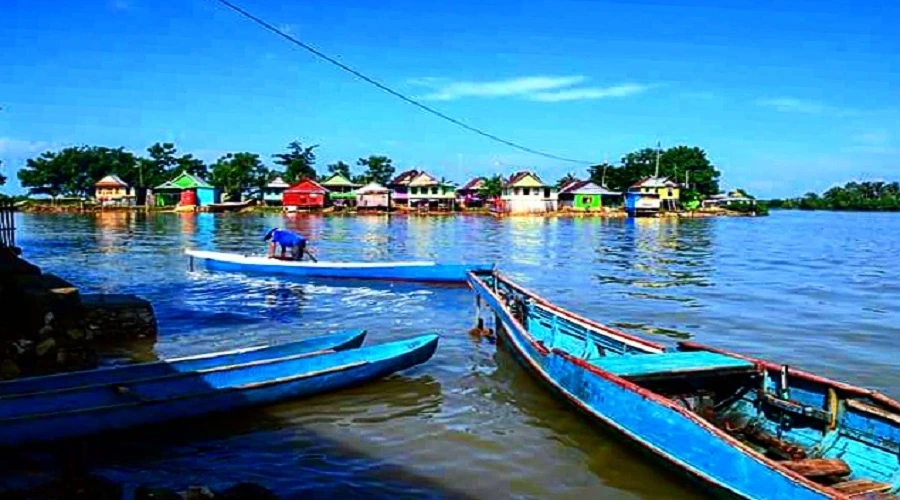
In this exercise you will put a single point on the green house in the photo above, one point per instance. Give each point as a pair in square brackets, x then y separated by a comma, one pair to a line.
[341, 191]
[586, 195]
[186, 189]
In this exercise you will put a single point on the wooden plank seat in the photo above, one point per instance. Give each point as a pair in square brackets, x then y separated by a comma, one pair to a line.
[818, 467]
[861, 487]
[671, 363]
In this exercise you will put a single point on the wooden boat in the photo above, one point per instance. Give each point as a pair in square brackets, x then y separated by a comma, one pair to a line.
[744, 427]
[51, 411]
[230, 206]
[339, 341]
[425, 271]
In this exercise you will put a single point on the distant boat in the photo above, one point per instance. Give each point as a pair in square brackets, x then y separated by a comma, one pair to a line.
[424, 271]
[84, 403]
[230, 206]
[743, 427]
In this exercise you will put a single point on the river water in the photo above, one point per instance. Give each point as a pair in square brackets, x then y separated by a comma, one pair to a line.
[819, 291]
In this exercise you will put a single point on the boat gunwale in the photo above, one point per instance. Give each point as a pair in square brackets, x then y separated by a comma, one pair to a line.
[617, 334]
[802, 374]
[353, 340]
[213, 392]
[421, 341]
[254, 260]
[647, 394]
[172, 375]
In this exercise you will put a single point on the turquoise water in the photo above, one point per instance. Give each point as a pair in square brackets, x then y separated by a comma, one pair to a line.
[820, 291]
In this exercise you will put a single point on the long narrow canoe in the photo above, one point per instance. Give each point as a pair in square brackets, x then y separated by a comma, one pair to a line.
[91, 408]
[339, 341]
[424, 271]
[743, 427]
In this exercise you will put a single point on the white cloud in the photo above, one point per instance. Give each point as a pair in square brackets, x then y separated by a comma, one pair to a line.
[624, 90]
[792, 105]
[874, 142]
[535, 88]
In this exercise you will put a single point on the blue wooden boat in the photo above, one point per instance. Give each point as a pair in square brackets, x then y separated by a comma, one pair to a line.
[99, 405]
[339, 341]
[424, 271]
[743, 427]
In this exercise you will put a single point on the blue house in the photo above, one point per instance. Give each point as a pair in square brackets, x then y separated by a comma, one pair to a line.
[273, 194]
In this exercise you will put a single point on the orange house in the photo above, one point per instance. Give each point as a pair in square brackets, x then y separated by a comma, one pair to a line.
[305, 194]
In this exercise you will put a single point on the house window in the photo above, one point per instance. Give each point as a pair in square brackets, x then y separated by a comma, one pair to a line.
[518, 191]
[547, 193]
[586, 200]
[670, 193]
[434, 190]
[526, 191]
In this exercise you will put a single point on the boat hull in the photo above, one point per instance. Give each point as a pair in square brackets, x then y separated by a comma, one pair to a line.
[338, 341]
[43, 417]
[643, 418]
[429, 272]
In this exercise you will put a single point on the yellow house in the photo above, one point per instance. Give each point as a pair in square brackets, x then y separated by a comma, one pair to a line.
[112, 191]
[525, 192]
[425, 190]
[669, 191]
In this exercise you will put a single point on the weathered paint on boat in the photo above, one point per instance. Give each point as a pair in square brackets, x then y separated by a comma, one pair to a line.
[618, 379]
[84, 410]
[339, 341]
[425, 271]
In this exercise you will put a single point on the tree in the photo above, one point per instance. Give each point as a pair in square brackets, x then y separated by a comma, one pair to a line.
[378, 169]
[299, 162]
[683, 164]
[569, 177]
[2, 177]
[159, 167]
[74, 170]
[492, 187]
[599, 173]
[340, 168]
[690, 165]
[235, 172]
[194, 166]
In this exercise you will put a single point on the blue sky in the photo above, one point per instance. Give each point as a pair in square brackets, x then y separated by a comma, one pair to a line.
[785, 99]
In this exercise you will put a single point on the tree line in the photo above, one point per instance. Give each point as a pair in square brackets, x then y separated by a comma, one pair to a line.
[689, 166]
[73, 171]
[871, 196]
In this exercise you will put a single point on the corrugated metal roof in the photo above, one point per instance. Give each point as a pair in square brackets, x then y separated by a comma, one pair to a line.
[111, 180]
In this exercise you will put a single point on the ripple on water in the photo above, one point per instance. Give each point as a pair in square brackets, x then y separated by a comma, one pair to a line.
[819, 291]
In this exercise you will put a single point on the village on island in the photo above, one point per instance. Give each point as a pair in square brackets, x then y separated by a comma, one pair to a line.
[240, 183]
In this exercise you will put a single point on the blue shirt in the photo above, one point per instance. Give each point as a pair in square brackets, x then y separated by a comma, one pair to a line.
[286, 238]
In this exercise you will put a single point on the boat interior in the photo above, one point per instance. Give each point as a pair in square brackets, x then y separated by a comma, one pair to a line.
[843, 438]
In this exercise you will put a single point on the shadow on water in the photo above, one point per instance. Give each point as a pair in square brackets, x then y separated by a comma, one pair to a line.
[618, 463]
[247, 444]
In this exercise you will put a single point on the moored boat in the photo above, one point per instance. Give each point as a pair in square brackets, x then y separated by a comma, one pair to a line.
[75, 409]
[338, 341]
[743, 427]
[424, 271]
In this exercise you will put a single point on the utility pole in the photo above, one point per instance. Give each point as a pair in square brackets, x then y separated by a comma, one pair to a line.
[658, 147]
[605, 165]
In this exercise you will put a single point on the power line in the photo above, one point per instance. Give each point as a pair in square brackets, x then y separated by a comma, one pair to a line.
[393, 92]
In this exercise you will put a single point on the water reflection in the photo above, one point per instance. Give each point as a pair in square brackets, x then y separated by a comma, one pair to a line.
[759, 286]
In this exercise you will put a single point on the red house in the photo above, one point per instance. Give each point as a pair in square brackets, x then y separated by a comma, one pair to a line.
[305, 194]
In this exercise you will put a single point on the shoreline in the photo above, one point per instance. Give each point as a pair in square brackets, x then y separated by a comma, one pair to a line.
[329, 211]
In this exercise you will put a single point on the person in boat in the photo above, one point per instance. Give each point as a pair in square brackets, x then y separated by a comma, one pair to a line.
[286, 239]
